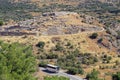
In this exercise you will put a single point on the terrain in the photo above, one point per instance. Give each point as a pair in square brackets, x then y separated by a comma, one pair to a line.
[84, 33]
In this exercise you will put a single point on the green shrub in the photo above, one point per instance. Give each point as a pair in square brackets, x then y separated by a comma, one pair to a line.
[100, 40]
[72, 71]
[41, 45]
[75, 70]
[55, 78]
[94, 36]
[1, 23]
[42, 64]
[93, 75]
[52, 56]
[58, 47]
[116, 76]
[118, 34]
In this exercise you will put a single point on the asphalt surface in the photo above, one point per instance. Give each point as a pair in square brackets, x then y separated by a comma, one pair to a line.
[61, 73]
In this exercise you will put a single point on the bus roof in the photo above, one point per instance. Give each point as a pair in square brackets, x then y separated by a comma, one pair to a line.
[52, 65]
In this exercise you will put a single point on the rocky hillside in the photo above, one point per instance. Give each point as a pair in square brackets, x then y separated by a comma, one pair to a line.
[18, 10]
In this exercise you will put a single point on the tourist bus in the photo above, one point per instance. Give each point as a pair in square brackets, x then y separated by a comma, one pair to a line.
[52, 68]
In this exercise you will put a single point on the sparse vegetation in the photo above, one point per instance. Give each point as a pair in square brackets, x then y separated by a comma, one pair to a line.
[16, 11]
[77, 54]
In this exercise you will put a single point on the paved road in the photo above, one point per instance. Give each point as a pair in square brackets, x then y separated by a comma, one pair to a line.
[61, 73]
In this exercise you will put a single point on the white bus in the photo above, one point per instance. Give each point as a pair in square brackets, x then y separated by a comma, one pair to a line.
[53, 68]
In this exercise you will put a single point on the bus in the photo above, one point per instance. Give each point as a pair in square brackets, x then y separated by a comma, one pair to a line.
[52, 68]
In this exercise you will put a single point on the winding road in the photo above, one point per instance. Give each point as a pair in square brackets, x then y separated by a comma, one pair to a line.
[61, 73]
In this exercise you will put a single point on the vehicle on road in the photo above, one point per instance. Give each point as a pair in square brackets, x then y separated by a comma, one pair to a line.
[52, 68]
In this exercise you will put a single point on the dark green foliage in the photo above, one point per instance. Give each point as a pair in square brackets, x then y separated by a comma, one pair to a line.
[76, 52]
[106, 58]
[118, 21]
[55, 78]
[74, 71]
[118, 34]
[16, 62]
[41, 45]
[94, 36]
[16, 11]
[88, 59]
[100, 40]
[93, 75]
[71, 64]
[43, 64]
[58, 47]
[1, 23]
[97, 6]
[116, 76]
[51, 56]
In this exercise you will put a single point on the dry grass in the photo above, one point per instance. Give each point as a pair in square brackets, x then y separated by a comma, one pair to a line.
[86, 44]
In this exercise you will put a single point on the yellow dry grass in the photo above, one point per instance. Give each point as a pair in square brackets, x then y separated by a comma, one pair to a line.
[86, 44]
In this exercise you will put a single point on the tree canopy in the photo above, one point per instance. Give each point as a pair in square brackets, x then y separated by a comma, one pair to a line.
[55, 78]
[1, 23]
[93, 75]
[116, 76]
[16, 62]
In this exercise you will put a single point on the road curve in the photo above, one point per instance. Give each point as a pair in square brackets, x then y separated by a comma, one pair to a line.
[61, 73]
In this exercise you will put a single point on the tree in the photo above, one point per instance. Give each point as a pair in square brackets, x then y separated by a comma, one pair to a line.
[93, 75]
[1, 23]
[16, 62]
[43, 64]
[94, 36]
[73, 71]
[41, 45]
[116, 76]
[55, 78]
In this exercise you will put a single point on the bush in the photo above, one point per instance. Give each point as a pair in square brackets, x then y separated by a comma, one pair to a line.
[41, 45]
[42, 64]
[116, 76]
[59, 47]
[93, 75]
[72, 71]
[1, 23]
[100, 40]
[52, 56]
[118, 34]
[55, 78]
[94, 36]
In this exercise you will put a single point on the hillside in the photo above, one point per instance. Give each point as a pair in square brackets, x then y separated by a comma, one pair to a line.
[22, 10]
[73, 43]
[79, 35]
